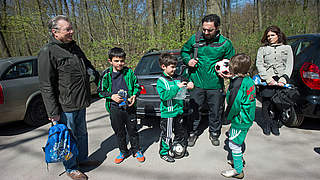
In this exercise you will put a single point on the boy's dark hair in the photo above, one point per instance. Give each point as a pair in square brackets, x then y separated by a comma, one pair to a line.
[281, 36]
[212, 18]
[240, 64]
[167, 59]
[116, 52]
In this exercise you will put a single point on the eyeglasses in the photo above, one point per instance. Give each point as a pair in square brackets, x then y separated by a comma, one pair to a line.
[209, 30]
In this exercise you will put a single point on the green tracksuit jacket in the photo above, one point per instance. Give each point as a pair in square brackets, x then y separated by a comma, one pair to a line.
[105, 84]
[167, 88]
[241, 98]
[209, 53]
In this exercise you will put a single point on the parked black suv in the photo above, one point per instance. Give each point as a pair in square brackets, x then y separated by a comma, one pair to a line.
[306, 76]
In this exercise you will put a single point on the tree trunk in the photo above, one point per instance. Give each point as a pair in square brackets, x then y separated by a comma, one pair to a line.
[89, 22]
[160, 16]
[55, 6]
[318, 14]
[305, 6]
[182, 19]
[41, 17]
[4, 46]
[259, 12]
[66, 7]
[228, 19]
[214, 7]
[24, 30]
[60, 7]
[74, 19]
[150, 17]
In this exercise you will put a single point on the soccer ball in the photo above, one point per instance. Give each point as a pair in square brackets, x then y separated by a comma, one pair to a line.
[222, 67]
[177, 150]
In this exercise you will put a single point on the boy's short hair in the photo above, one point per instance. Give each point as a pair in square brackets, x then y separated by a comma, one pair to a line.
[116, 52]
[167, 59]
[240, 64]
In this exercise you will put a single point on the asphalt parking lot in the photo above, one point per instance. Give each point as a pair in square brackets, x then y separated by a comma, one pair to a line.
[294, 155]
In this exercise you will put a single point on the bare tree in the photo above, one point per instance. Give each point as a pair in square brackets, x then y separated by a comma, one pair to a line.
[182, 18]
[4, 46]
[89, 22]
[150, 17]
[23, 29]
[60, 9]
[259, 12]
[214, 7]
[318, 14]
[66, 7]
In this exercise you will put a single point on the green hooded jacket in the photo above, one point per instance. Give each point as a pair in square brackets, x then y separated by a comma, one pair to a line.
[209, 53]
[105, 85]
[241, 99]
[167, 88]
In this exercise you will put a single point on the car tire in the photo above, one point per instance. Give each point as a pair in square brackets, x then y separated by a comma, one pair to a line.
[36, 113]
[295, 120]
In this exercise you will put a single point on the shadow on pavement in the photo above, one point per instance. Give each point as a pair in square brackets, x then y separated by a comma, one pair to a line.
[15, 128]
[311, 124]
[146, 137]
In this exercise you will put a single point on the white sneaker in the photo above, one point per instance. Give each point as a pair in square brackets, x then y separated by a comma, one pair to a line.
[232, 173]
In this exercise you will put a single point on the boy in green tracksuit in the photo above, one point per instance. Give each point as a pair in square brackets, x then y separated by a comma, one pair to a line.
[241, 99]
[118, 85]
[169, 85]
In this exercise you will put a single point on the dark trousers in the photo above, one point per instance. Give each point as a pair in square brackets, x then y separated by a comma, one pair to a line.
[121, 121]
[170, 126]
[215, 100]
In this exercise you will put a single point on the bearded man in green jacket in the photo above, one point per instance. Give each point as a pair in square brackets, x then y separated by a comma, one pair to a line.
[201, 57]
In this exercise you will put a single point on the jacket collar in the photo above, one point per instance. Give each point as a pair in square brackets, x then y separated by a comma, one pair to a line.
[53, 40]
[168, 77]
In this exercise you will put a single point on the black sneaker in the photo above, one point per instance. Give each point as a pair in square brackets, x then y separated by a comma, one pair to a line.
[192, 140]
[168, 158]
[214, 140]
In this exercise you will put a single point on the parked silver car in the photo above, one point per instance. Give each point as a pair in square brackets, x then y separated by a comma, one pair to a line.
[20, 98]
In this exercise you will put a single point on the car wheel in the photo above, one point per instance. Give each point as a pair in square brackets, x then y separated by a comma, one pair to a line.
[36, 113]
[295, 120]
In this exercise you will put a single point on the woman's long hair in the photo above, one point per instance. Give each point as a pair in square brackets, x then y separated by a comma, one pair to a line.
[281, 36]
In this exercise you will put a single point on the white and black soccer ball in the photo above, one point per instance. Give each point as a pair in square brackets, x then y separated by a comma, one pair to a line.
[222, 67]
[177, 151]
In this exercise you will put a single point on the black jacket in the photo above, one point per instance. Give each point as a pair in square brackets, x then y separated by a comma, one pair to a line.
[64, 81]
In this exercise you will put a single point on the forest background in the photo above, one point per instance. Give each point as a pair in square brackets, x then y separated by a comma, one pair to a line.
[141, 25]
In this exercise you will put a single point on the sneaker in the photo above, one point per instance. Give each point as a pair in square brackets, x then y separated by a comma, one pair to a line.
[77, 175]
[192, 140]
[120, 158]
[139, 156]
[214, 140]
[168, 158]
[232, 173]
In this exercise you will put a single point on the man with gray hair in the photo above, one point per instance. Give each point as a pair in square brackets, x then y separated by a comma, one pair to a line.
[65, 88]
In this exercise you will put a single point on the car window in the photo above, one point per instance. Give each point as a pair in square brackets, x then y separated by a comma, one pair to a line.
[302, 46]
[20, 70]
[150, 65]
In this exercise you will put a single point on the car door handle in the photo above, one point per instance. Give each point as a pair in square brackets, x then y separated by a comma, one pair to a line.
[154, 84]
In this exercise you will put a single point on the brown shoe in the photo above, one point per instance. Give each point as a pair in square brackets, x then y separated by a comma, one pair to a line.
[90, 163]
[77, 175]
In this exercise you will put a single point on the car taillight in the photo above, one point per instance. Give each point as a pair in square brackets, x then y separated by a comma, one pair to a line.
[1, 95]
[310, 75]
[143, 90]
